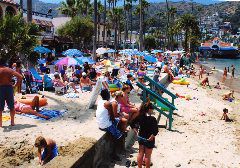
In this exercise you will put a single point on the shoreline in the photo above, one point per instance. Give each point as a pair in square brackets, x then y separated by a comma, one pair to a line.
[232, 84]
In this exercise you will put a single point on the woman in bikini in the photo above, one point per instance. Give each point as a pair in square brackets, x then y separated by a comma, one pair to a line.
[126, 105]
[27, 109]
[117, 97]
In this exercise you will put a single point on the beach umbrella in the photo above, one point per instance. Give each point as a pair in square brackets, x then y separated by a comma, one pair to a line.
[156, 51]
[41, 61]
[107, 62]
[73, 53]
[42, 50]
[111, 51]
[82, 60]
[167, 52]
[150, 58]
[68, 61]
[101, 50]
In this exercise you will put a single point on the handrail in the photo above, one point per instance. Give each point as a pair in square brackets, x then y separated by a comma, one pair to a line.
[160, 87]
[165, 102]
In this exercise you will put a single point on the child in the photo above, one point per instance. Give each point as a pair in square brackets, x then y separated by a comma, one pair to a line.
[217, 86]
[129, 81]
[148, 129]
[205, 82]
[229, 95]
[47, 149]
[225, 116]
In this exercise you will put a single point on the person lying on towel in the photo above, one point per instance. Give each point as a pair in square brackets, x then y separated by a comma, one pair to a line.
[27, 109]
[47, 149]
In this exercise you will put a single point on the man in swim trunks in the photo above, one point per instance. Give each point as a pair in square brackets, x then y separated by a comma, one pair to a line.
[6, 89]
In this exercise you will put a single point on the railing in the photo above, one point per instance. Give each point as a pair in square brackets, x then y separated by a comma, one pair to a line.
[159, 86]
[147, 92]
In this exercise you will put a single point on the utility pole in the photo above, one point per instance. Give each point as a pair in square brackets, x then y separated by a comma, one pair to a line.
[21, 7]
[95, 30]
[141, 27]
[29, 11]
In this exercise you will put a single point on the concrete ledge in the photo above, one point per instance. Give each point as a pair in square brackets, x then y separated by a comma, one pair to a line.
[96, 156]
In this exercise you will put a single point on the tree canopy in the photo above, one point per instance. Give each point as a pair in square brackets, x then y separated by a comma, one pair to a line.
[17, 37]
[79, 30]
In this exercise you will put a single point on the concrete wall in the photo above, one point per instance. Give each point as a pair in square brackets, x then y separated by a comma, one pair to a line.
[100, 154]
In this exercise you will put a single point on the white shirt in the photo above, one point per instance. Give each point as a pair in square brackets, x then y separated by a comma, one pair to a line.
[159, 64]
[102, 116]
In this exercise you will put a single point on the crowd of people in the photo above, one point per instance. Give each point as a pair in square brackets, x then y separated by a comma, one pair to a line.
[115, 112]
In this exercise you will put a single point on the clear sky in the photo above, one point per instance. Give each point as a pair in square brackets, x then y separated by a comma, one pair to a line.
[199, 1]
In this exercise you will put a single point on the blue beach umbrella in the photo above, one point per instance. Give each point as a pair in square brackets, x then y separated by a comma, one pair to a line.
[150, 58]
[41, 61]
[73, 53]
[156, 51]
[42, 50]
[82, 60]
[111, 51]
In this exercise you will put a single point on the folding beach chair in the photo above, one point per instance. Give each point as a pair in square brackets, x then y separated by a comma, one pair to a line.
[37, 78]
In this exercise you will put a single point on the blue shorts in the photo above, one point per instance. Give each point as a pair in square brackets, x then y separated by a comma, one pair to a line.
[54, 153]
[87, 88]
[113, 130]
[6, 94]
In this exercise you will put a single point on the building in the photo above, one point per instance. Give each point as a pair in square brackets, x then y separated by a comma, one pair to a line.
[8, 7]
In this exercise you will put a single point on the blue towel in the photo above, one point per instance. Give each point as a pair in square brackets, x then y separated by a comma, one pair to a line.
[71, 95]
[50, 113]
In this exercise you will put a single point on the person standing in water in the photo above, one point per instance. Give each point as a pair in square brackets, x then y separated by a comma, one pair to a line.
[6, 89]
[232, 71]
[224, 75]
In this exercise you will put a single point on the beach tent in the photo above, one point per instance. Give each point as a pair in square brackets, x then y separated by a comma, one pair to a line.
[73, 53]
[68, 61]
[42, 50]
[101, 50]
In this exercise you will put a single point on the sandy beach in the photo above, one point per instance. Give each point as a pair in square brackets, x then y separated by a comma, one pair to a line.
[16, 143]
[199, 138]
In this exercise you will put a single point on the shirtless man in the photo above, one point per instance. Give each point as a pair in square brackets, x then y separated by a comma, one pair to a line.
[6, 89]
[85, 82]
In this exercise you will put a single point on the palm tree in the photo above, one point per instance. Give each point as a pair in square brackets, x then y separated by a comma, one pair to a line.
[29, 11]
[189, 25]
[99, 12]
[70, 8]
[167, 25]
[127, 9]
[172, 12]
[104, 22]
[141, 25]
[95, 5]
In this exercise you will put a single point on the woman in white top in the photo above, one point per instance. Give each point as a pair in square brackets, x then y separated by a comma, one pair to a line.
[105, 117]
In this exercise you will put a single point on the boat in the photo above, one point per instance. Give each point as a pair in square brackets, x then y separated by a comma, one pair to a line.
[218, 49]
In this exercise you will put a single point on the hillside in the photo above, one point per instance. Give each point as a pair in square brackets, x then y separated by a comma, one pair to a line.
[43, 7]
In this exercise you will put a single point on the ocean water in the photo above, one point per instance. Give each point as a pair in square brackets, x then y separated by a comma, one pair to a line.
[222, 63]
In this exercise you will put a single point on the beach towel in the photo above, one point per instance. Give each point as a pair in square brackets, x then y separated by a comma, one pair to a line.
[50, 113]
[5, 118]
[71, 95]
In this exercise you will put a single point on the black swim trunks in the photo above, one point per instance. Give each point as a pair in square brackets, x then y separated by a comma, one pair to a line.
[6, 94]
